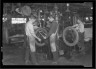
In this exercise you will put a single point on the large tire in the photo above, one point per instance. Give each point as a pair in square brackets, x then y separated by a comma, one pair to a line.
[42, 43]
[5, 35]
[75, 32]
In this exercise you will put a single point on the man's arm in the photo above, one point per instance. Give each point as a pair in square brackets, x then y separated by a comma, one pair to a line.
[33, 33]
[31, 29]
[75, 25]
[48, 34]
[35, 27]
[53, 29]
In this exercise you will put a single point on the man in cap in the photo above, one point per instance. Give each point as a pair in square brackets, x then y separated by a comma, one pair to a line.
[80, 28]
[30, 33]
[52, 34]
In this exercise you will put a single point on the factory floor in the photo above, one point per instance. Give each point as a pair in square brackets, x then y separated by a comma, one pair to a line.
[14, 55]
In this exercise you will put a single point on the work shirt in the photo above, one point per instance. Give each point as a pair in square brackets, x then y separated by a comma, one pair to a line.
[53, 28]
[29, 29]
[79, 27]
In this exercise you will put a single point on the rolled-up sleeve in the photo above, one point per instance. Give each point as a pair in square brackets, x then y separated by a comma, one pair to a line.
[29, 29]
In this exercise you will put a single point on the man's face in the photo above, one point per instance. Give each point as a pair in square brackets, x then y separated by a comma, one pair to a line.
[80, 22]
[32, 19]
[51, 19]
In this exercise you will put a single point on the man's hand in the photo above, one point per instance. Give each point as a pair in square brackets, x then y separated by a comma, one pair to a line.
[76, 25]
[39, 39]
[27, 62]
[45, 37]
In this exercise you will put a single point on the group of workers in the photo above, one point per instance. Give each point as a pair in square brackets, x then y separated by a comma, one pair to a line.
[31, 36]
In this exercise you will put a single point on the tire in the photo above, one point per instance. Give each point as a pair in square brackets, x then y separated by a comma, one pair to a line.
[76, 33]
[36, 32]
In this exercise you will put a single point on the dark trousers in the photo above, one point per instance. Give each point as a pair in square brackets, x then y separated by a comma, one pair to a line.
[81, 40]
[29, 54]
[27, 49]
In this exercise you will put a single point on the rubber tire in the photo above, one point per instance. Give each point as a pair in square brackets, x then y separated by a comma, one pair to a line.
[40, 44]
[77, 36]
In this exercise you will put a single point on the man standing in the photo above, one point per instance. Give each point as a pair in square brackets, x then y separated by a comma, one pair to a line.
[80, 28]
[52, 34]
[30, 33]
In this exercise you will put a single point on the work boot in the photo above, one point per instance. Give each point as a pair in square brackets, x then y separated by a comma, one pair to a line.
[27, 62]
[33, 58]
[55, 57]
[27, 54]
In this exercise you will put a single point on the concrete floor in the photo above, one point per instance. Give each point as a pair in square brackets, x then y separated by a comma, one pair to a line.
[14, 55]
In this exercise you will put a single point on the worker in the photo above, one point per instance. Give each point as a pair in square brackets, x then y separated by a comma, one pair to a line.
[30, 33]
[52, 34]
[80, 28]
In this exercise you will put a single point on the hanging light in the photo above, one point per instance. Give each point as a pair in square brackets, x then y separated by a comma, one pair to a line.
[56, 8]
[46, 10]
[67, 4]
[67, 8]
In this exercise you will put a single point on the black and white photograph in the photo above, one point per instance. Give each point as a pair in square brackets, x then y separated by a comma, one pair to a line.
[47, 34]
